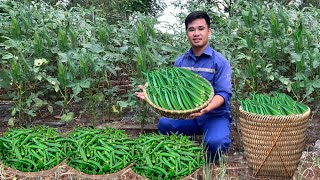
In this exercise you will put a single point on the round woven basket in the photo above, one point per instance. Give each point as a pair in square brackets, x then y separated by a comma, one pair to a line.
[177, 114]
[273, 144]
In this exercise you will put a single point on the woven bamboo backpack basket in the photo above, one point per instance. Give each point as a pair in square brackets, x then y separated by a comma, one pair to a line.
[178, 114]
[273, 144]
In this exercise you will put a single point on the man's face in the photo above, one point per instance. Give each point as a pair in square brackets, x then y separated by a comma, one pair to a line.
[198, 33]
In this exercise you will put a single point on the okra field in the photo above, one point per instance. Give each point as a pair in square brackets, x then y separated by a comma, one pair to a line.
[80, 66]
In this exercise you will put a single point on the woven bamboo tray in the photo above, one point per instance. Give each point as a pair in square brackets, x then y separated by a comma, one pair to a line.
[80, 175]
[273, 144]
[178, 114]
[37, 175]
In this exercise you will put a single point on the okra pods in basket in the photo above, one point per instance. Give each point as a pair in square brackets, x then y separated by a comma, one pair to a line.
[177, 92]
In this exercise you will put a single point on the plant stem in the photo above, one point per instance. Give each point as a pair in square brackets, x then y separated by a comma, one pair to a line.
[143, 115]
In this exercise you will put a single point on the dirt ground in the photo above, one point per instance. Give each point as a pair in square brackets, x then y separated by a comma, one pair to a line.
[234, 166]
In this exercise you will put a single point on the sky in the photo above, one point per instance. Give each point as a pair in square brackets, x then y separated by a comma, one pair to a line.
[168, 16]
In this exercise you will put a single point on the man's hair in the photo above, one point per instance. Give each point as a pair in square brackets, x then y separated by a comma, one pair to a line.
[197, 15]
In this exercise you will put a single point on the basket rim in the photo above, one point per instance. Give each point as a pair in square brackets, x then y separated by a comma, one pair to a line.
[263, 115]
[180, 112]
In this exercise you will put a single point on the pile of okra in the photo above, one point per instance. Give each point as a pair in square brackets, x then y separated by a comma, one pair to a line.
[278, 104]
[34, 149]
[177, 88]
[167, 157]
[100, 151]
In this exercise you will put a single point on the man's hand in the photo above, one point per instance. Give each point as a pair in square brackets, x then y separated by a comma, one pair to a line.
[140, 95]
[197, 114]
[216, 102]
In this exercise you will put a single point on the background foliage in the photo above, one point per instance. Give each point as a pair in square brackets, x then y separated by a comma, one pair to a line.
[53, 57]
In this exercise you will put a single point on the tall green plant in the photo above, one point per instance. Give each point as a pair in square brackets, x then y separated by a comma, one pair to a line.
[52, 35]
[145, 61]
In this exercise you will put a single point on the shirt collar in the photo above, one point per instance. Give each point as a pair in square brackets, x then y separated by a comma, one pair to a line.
[208, 51]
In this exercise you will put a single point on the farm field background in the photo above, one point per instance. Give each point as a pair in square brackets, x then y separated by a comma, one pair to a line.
[80, 65]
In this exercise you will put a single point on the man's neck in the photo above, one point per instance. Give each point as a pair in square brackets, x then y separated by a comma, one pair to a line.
[198, 51]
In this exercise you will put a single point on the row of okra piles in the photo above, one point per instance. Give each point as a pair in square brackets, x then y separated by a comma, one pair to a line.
[101, 151]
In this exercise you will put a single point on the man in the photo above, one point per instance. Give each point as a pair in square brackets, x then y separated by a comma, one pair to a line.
[214, 120]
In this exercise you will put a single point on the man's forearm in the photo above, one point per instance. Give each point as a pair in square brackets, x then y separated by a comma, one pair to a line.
[216, 102]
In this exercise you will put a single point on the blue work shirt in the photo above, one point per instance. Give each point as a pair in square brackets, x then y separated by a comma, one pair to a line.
[216, 69]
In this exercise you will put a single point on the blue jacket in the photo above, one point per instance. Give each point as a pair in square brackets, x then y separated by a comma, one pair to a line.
[216, 69]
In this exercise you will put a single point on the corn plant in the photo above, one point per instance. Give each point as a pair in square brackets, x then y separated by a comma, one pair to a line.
[144, 58]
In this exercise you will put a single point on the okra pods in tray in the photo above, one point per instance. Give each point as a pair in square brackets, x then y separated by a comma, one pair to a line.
[92, 151]
[167, 157]
[33, 149]
[177, 92]
[100, 151]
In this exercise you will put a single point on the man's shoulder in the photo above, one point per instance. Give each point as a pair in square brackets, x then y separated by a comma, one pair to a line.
[180, 58]
[220, 59]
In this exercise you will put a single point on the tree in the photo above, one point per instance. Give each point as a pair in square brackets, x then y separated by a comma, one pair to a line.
[122, 9]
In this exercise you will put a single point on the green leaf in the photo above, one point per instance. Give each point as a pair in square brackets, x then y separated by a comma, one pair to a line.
[296, 57]
[99, 97]
[125, 104]
[63, 57]
[271, 77]
[11, 121]
[14, 111]
[31, 113]
[67, 117]
[55, 83]
[241, 56]
[50, 109]
[315, 64]
[95, 48]
[59, 103]
[112, 70]
[85, 83]
[309, 89]
[7, 56]
[316, 83]
[124, 49]
[39, 77]
[76, 89]
[172, 49]
[39, 102]
[5, 80]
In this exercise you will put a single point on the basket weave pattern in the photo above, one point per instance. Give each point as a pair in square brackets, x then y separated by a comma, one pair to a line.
[177, 114]
[273, 144]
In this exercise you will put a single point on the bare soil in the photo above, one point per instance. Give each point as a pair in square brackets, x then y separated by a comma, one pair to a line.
[234, 166]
